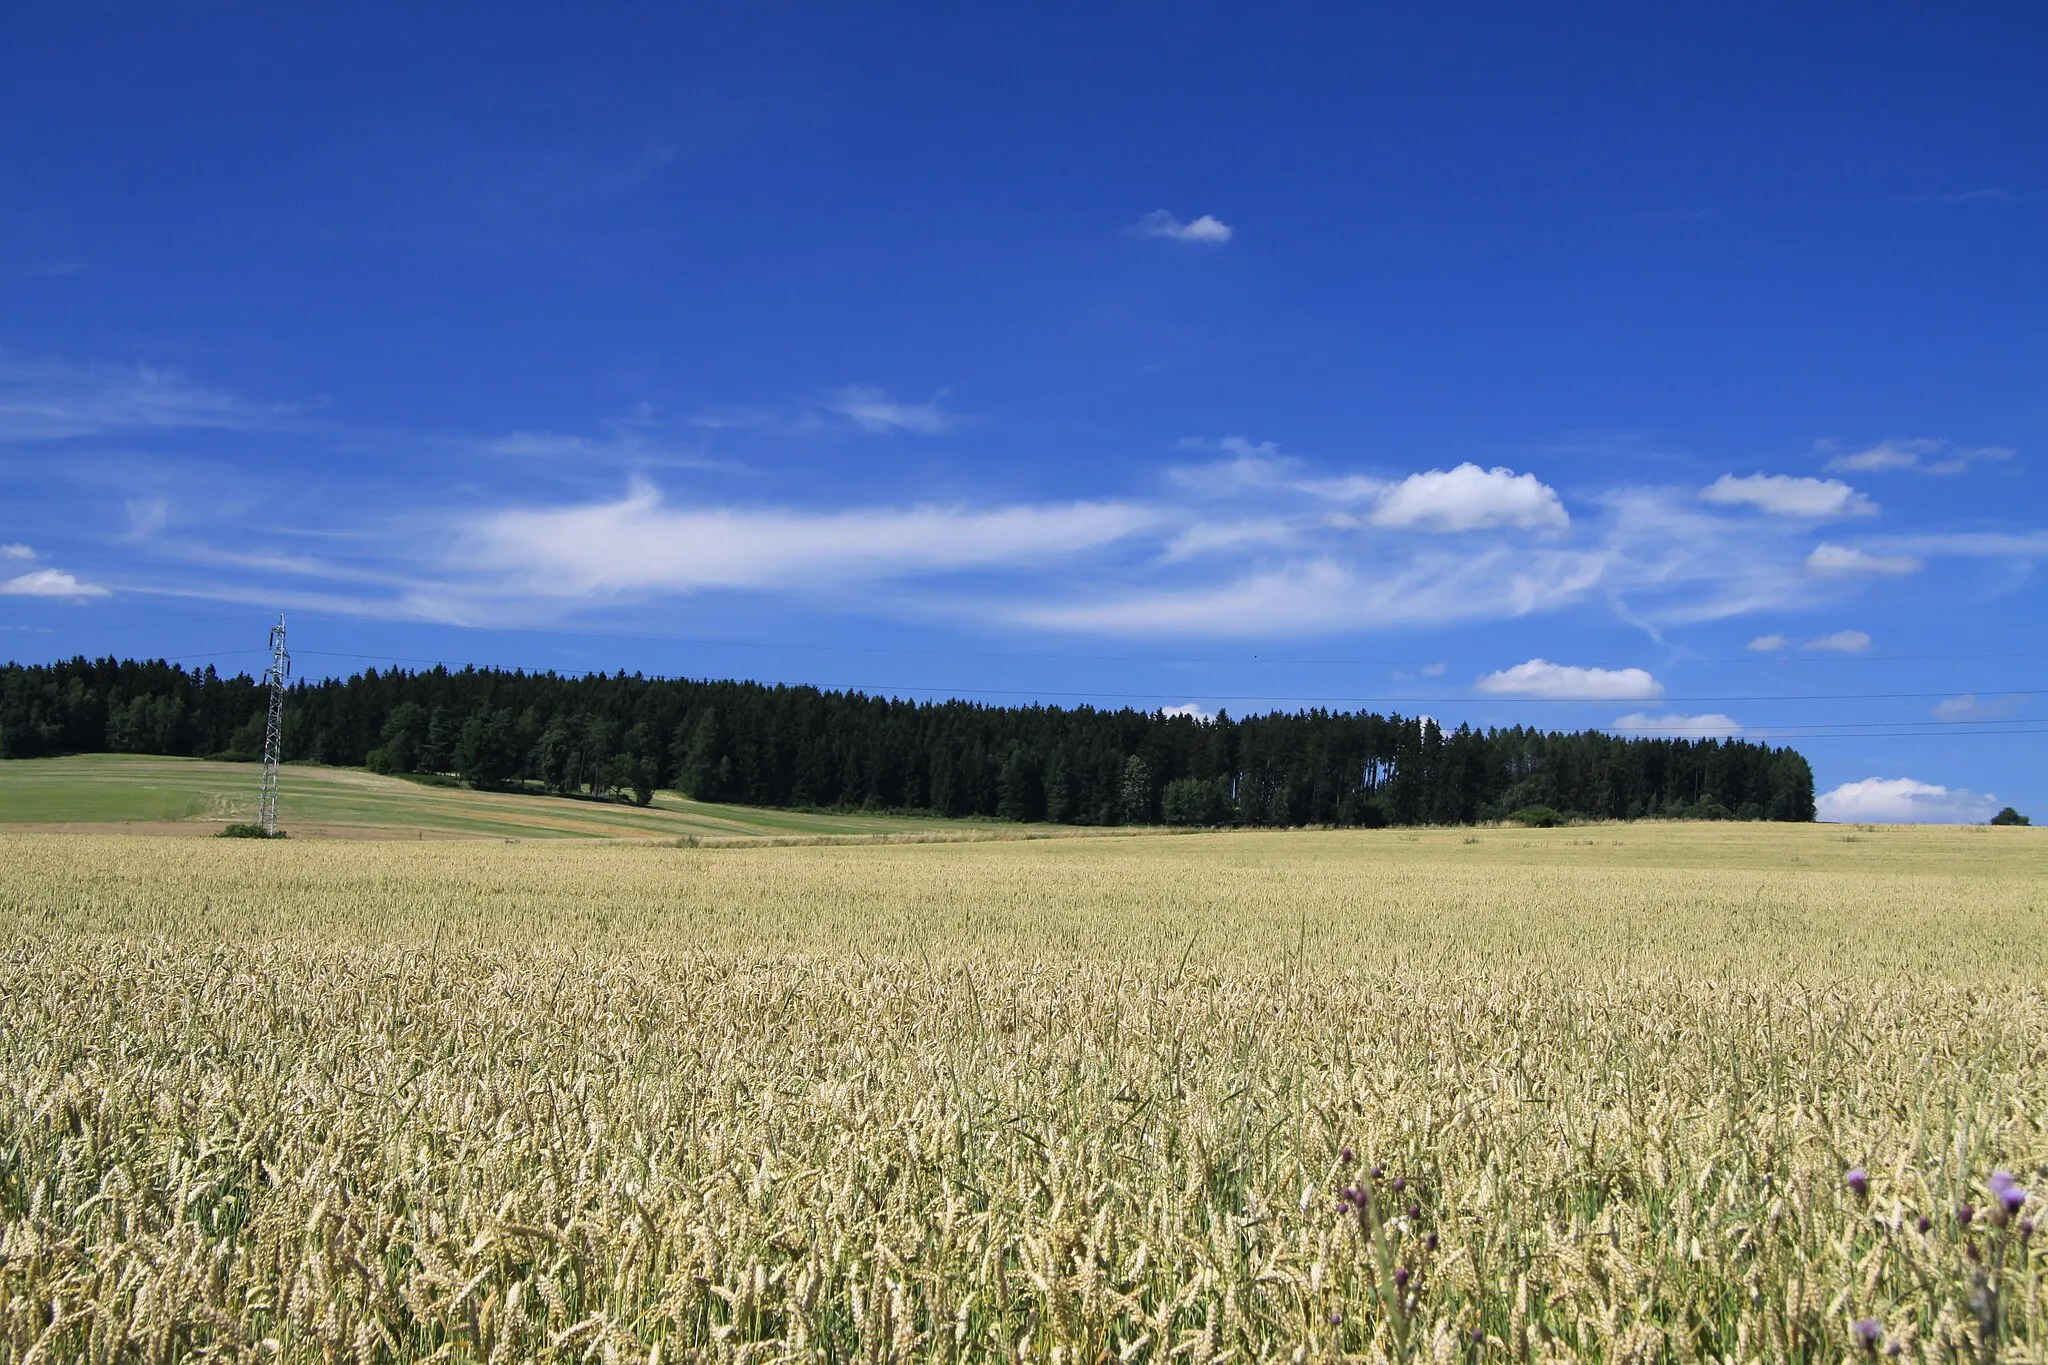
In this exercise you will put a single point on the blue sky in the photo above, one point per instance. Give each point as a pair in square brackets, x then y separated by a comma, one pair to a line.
[1675, 371]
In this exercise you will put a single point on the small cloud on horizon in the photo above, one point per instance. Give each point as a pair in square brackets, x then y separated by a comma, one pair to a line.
[1207, 229]
[1193, 710]
[1567, 682]
[1842, 642]
[1904, 801]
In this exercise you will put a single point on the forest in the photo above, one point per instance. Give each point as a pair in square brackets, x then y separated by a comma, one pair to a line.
[624, 737]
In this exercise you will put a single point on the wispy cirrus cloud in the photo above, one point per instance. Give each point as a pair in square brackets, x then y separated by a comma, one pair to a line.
[1570, 682]
[1923, 456]
[1845, 561]
[872, 409]
[1970, 706]
[1786, 496]
[639, 545]
[1841, 642]
[53, 400]
[1205, 230]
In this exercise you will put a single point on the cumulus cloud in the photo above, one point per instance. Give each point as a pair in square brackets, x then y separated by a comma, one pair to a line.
[1785, 496]
[50, 583]
[1568, 682]
[1469, 498]
[1927, 457]
[637, 544]
[1843, 561]
[16, 551]
[871, 409]
[1767, 643]
[1206, 230]
[1191, 709]
[1712, 725]
[1903, 801]
[1842, 642]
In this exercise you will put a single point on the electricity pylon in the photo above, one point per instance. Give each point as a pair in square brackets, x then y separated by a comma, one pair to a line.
[273, 729]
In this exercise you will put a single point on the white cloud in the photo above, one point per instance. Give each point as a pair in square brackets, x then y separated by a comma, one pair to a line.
[1258, 466]
[1189, 708]
[1159, 223]
[1901, 800]
[1972, 544]
[1568, 682]
[1434, 670]
[1928, 457]
[50, 400]
[638, 545]
[1785, 496]
[16, 552]
[873, 410]
[1212, 537]
[1970, 706]
[1842, 642]
[1712, 725]
[1469, 498]
[1324, 593]
[1764, 644]
[1843, 560]
[50, 583]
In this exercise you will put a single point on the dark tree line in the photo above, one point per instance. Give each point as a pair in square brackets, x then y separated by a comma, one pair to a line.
[799, 746]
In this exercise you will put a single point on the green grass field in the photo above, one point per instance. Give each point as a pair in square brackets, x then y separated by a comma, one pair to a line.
[138, 794]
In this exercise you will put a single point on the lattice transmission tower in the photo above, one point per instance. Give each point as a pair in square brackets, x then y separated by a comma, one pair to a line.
[273, 728]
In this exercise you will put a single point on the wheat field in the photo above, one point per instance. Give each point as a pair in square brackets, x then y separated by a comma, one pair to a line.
[1612, 1093]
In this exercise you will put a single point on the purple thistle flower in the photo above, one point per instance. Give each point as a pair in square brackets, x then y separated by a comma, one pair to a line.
[2010, 1192]
[1894, 1349]
[1401, 1278]
[1868, 1332]
[1346, 1155]
[1414, 1212]
[1478, 1336]
[1336, 1317]
[1858, 1182]
[1429, 1242]
[1965, 1214]
[1376, 1172]
[1400, 1183]
[1923, 1222]
[2026, 1227]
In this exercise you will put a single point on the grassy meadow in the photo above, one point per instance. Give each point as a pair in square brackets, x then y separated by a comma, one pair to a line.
[1072, 1099]
[140, 794]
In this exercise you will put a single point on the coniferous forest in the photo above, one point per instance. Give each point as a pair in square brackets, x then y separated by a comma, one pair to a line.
[744, 742]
